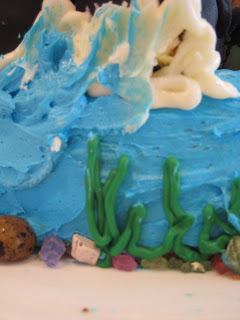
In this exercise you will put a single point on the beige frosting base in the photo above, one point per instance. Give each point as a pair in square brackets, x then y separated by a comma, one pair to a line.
[30, 290]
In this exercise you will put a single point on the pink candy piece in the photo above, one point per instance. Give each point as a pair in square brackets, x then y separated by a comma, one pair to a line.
[124, 262]
[219, 265]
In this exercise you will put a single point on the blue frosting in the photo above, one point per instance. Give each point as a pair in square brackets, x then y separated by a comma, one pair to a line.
[47, 188]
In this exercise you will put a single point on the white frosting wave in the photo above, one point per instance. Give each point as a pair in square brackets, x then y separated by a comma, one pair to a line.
[189, 72]
[172, 35]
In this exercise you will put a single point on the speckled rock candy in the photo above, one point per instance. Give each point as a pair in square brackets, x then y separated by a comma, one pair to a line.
[124, 262]
[157, 263]
[17, 239]
[84, 250]
[231, 257]
[52, 250]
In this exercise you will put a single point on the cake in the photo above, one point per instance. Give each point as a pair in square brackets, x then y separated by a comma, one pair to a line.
[120, 128]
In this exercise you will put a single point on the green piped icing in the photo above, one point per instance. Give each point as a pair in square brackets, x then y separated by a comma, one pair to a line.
[104, 239]
[179, 221]
[171, 192]
[210, 217]
[123, 240]
[219, 244]
[106, 261]
[101, 199]
[111, 193]
[98, 190]
[234, 206]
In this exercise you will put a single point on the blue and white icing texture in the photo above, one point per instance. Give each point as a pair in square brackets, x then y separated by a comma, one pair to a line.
[47, 116]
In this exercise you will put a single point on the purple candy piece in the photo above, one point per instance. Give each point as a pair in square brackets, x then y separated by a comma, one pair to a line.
[52, 250]
[124, 262]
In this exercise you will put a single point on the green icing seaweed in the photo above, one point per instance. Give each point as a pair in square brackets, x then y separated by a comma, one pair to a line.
[179, 221]
[210, 218]
[100, 209]
[205, 244]
[234, 206]
[101, 239]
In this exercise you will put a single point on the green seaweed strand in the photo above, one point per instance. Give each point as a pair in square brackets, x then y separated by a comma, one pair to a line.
[124, 238]
[148, 252]
[106, 234]
[180, 219]
[183, 251]
[98, 191]
[90, 180]
[108, 181]
[226, 228]
[106, 262]
[234, 206]
[166, 196]
[111, 194]
[206, 245]
[172, 191]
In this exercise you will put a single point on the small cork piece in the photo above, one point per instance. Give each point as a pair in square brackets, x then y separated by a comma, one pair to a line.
[84, 250]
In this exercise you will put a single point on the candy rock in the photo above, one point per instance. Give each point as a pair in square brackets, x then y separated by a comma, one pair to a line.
[186, 267]
[124, 262]
[52, 250]
[175, 263]
[157, 263]
[219, 265]
[198, 267]
[84, 250]
[231, 257]
[17, 239]
[207, 265]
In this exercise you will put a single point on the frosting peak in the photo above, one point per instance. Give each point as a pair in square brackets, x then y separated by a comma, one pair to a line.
[115, 51]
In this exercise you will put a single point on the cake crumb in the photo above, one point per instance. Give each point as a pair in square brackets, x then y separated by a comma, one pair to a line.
[188, 295]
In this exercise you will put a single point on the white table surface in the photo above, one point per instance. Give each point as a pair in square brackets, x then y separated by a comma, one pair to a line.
[30, 290]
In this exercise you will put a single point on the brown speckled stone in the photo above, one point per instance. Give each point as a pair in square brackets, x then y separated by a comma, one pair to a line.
[17, 239]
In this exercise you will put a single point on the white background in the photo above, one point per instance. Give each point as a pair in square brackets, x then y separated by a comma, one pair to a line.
[30, 290]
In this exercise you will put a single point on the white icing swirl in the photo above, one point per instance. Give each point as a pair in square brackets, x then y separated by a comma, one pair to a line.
[137, 38]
